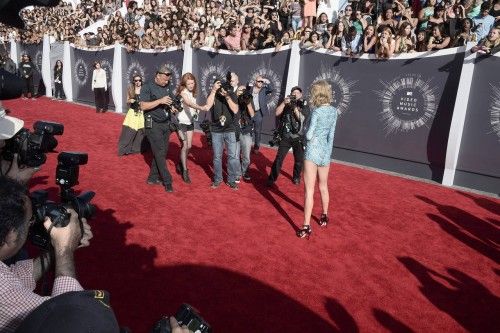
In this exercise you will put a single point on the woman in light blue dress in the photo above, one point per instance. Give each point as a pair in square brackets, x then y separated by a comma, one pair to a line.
[319, 144]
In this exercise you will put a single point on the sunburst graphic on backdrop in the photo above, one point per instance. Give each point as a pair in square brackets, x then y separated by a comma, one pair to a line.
[275, 83]
[108, 67]
[208, 75]
[343, 88]
[135, 68]
[495, 110]
[81, 72]
[38, 60]
[408, 102]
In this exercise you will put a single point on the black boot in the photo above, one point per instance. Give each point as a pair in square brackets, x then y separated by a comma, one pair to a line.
[185, 176]
[179, 168]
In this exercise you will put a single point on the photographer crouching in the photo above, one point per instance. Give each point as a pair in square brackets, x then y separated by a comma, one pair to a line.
[17, 298]
[289, 134]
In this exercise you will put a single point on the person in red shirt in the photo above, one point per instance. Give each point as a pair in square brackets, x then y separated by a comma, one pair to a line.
[233, 40]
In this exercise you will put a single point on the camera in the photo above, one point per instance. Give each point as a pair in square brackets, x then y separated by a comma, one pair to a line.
[67, 173]
[31, 147]
[205, 127]
[177, 103]
[186, 315]
[225, 82]
[275, 141]
[246, 97]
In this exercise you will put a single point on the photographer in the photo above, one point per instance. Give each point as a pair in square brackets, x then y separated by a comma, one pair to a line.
[289, 134]
[156, 100]
[223, 108]
[244, 120]
[17, 298]
[9, 126]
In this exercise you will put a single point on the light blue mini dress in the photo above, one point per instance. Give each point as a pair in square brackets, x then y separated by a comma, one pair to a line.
[319, 135]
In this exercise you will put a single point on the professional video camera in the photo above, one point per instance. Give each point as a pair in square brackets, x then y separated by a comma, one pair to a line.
[225, 82]
[205, 127]
[67, 173]
[32, 147]
[186, 315]
[177, 103]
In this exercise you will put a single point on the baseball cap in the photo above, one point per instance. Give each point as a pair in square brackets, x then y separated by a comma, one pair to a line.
[296, 88]
[9, 126]
[76, 312]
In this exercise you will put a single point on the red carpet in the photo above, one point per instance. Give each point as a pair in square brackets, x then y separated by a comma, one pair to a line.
[399, 255]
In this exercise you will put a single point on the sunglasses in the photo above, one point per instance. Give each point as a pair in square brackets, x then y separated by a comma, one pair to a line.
[138, 80]
[167, 74]
[260, 81]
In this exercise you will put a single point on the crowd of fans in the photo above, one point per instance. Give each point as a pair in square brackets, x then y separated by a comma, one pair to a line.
[364, 26]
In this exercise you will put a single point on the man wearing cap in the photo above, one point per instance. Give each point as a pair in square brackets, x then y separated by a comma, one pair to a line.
[292, 114]
[156, 101]
[18, 281]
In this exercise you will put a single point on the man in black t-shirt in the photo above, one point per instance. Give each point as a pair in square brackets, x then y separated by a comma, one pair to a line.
[156, 100]
[223, 109]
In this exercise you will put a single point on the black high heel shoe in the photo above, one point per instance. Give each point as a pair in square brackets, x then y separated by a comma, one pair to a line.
[305, 231]
[323, 221]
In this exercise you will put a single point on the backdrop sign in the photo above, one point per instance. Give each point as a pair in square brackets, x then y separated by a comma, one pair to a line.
[83, 67]
[478, 164]
[146, 64]
[35, 51]
[390, 110]
[273, 66]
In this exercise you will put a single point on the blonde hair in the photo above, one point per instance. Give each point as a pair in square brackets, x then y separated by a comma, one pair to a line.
[321, 93]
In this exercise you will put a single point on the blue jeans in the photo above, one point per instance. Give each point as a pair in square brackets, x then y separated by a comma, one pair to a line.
[233, 161]
[245, 148]
[296, 22]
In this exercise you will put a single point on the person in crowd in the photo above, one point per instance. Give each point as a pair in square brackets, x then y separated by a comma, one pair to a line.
[464, 34]
[233, 40]
[438, 40]
[292, 113]
[309, 12]
[335, 42]
[438, 18]
[317, 155]
[483, 21]
[386, 19]
[99, 87]
[18, 299]
[261, 89]
[27, 69]
[404, 40]
[58, 83]
[369, 40]
[426, 13]
[186, 117]
[131, 139]
[223, 106]
[421, 44]
[351, 43]
[385, 46]
[156, 102]
[244, 121]
[490, 44]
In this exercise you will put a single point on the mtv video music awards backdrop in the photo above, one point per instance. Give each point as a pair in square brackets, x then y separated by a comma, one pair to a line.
[35, 51]
[146, 64]
[478, 164]
[272, 66]
[394, 114]
[83, 67]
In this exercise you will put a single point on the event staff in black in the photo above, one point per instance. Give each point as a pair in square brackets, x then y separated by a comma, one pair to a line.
[156, 101]
[26, 67]
[292, 115]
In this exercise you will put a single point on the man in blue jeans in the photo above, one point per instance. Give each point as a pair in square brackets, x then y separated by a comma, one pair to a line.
[223, 108]
[260, 91]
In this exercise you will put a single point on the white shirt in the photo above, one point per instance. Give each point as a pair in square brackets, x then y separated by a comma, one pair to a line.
[186, 115]
[99, 79]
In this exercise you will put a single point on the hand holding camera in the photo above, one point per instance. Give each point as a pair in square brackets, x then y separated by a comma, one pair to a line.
[21, 174]
[67, 239]
[166, 100]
